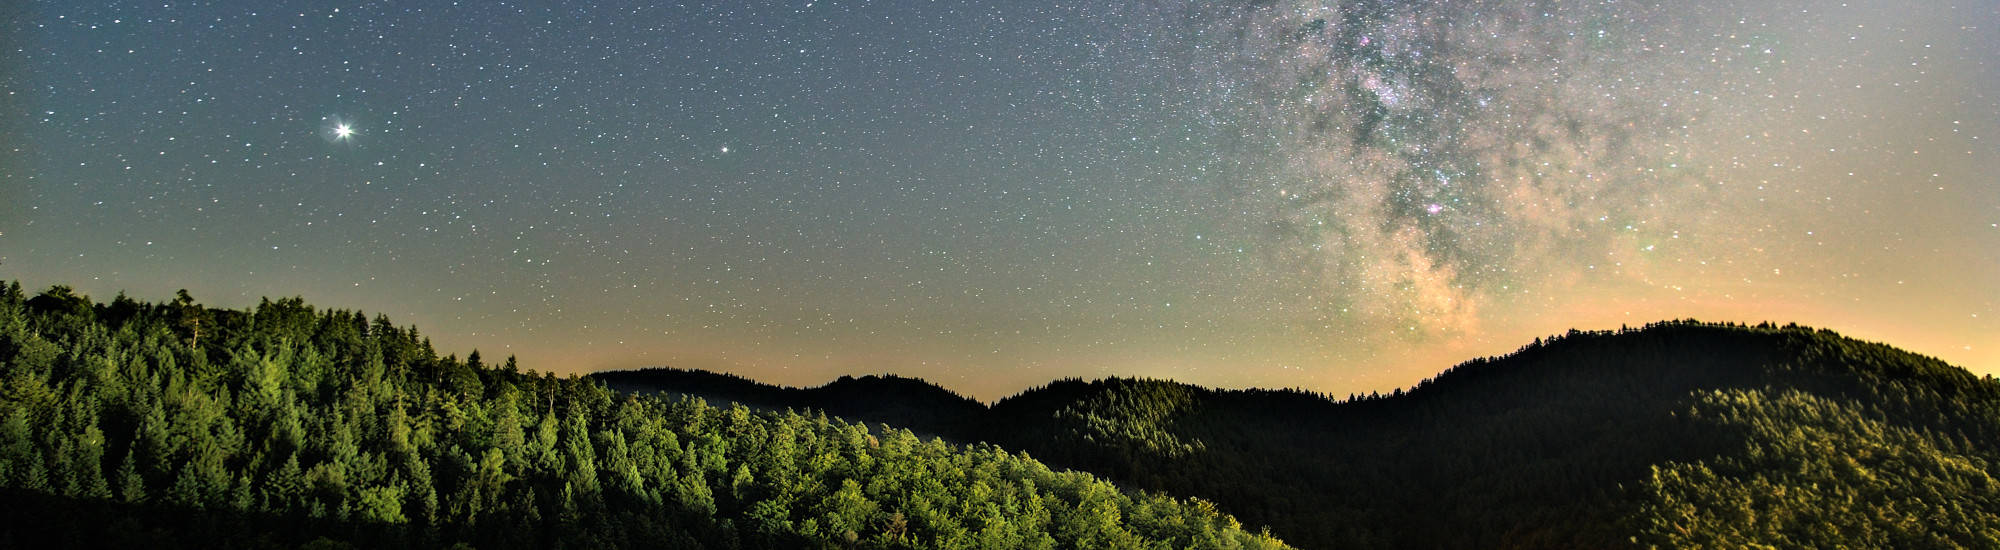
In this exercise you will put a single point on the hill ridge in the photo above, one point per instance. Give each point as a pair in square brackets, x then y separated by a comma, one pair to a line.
[1445, 376]
[1594, 427]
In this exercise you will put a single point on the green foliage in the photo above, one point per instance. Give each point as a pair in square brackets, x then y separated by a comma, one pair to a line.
[286, 426]
[1132, 414]
[1674, 435]
[1820, 473]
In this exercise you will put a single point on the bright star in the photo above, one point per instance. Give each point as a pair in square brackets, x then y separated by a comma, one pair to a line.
[336, 129]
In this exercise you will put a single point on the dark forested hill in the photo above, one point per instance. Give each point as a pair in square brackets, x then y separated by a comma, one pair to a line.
[1675, 435]
[906, 403]
[136, 425]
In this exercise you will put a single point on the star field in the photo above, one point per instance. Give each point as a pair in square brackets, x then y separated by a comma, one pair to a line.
[1345, 196]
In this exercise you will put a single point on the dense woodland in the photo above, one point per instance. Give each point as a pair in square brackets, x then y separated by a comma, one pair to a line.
[1675, 435]
[160, 425]
[134, 424]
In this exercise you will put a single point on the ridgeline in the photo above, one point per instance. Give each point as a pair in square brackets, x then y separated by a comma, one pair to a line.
[1674, 435]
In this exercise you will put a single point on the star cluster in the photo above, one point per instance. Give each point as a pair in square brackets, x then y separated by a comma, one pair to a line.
[1339, 195]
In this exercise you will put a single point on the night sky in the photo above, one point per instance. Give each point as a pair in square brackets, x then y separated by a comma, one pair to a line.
[1344, 196]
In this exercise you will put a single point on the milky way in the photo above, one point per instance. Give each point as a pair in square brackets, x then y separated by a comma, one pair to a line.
[1423, 159]
[1339, 195]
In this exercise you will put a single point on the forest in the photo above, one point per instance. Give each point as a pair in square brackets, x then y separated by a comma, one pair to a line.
[127, 423]
[175, 425]
[1678, 434]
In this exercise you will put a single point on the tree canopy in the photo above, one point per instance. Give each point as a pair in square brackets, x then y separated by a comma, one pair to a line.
[1676, 434]
[279, 426]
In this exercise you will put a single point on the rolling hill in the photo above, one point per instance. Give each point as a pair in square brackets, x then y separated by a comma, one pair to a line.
[1678, 434]
[138, 425]
[281, 426]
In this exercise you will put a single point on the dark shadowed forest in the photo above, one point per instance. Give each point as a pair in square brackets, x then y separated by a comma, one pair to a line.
[1676, 435]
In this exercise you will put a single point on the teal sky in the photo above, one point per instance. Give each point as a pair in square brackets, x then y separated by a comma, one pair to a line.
[1341, 196]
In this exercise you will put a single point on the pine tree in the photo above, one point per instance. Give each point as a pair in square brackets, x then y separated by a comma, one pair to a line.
[285, 487]
[131, 487]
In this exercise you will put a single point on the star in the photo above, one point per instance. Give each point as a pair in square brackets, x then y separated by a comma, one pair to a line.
[343, 131]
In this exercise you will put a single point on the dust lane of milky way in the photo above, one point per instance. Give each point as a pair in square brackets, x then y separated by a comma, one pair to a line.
[1345, 196]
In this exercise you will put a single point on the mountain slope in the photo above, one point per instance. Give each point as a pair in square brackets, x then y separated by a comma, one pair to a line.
[1677, 434]
[173, 425]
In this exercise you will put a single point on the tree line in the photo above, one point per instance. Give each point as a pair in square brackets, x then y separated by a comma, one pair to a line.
[286, 426]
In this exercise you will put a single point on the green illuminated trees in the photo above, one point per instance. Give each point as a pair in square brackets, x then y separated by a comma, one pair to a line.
[282, 426]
